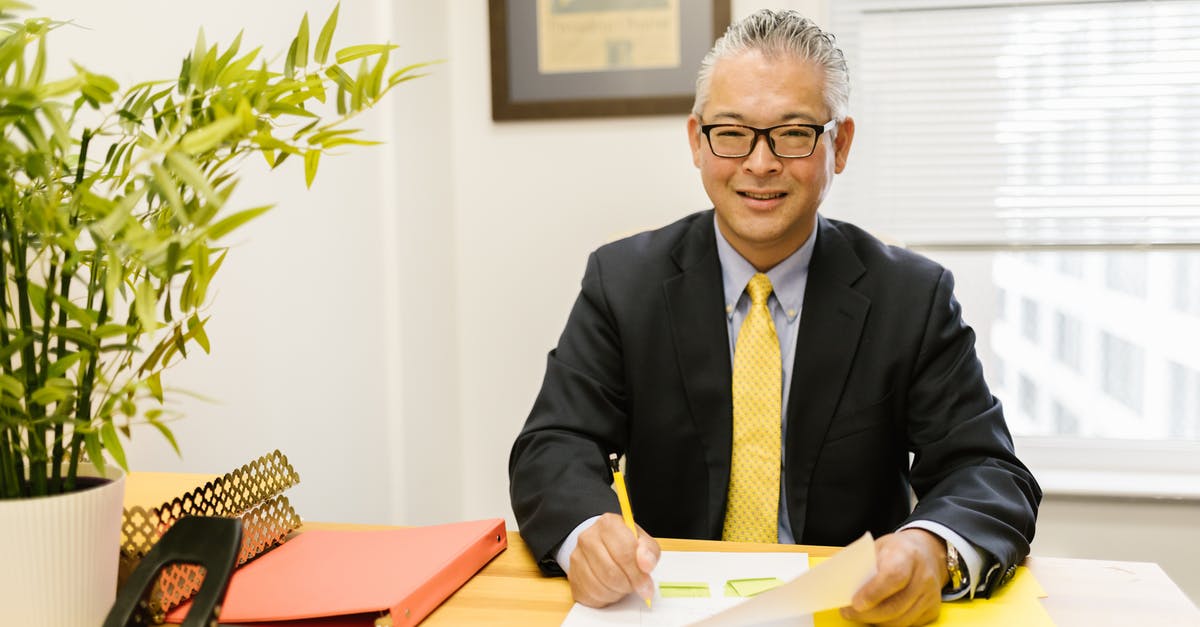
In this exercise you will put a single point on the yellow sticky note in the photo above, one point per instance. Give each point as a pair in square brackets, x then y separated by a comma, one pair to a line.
[681, 589]
[750, 587]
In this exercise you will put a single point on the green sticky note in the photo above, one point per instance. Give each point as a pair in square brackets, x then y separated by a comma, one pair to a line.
[679, 589]
[750, 587]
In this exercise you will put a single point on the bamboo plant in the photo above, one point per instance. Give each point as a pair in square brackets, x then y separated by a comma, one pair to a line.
[112, 208]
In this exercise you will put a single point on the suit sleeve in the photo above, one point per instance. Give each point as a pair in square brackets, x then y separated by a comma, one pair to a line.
[558, 472]
[965, 472]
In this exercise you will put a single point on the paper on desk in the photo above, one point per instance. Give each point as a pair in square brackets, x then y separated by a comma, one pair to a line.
[712, 570]
[828, 585]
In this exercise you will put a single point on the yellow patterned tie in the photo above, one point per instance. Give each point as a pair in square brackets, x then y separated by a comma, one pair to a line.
[753, 511]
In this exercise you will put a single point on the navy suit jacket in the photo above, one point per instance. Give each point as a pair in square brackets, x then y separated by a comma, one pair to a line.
[884, 367]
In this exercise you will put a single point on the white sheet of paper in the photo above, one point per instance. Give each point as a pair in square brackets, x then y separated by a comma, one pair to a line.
[831, 584]
[691, 566]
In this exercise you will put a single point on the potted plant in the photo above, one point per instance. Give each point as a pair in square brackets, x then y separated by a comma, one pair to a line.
[112, 209]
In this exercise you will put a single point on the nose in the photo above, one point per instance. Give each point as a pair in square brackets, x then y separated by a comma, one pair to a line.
[761, 161]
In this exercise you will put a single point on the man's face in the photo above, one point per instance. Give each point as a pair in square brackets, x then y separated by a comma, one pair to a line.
[767, 206]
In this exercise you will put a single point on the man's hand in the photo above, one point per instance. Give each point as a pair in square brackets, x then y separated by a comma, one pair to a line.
[907, 587]
[608, 563]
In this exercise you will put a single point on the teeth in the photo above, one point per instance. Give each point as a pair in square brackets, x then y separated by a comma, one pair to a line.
[762, 196]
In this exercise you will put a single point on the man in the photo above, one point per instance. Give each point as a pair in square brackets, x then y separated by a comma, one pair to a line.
[865, 361]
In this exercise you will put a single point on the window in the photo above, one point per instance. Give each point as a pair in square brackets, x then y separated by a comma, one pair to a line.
[1185, 402]
[1029, 319]
[1187, 283]
[1027, 395]
[1045, 153]
[1065, 420]
[1121, 370]
[1126, 273]
[1067, 341]
[1035, 123]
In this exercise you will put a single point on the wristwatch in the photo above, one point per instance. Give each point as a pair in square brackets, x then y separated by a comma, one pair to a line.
[958, 574]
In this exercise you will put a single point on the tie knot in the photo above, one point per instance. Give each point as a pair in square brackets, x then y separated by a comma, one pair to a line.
[759, 289]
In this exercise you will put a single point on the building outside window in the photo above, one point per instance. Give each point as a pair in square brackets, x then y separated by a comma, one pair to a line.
[1045, 153]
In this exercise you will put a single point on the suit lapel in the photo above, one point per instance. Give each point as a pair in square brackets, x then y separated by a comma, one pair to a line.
[830, 326]
[696, 306]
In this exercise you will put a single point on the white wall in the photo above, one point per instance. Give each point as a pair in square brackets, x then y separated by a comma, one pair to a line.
[388, 329]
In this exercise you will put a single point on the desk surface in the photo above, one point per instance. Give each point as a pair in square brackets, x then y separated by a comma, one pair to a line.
[511, 591]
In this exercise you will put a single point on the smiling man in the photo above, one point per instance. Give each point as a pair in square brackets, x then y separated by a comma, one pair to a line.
[769, 374]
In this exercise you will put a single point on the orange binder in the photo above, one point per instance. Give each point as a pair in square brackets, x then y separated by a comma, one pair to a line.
[347, 578]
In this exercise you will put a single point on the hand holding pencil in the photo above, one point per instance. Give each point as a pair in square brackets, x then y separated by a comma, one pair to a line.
[613, 557]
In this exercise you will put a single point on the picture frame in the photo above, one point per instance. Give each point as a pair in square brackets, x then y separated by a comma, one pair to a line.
[598, 58]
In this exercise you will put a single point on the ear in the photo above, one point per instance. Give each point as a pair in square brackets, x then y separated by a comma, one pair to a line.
[841, 145]
[693, 131]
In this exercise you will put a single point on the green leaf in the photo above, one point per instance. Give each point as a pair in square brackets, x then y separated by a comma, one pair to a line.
[289, 64]
[152, 360]
[364, 50]
[154, 382]
[404, 73]
[300, 58]
[236, 71]
[112, 444]
[316, 87]
[166, 433]
[326, 36]
[55, 89]
[166, 188]
[196, 59]
[144, 300]
[311, 158]
[334, 142]
[186, 169]
[282, 108]
[14, 346]
[39, 63]
[53, 391]
[60, 367]
[196, 331]
[375, 82]
[207, 137]
[360, 86]
[80, 337]
[95, 452]
[232, 222]
[85, 317]
[11, 385]
[111, 330]
[223, 60]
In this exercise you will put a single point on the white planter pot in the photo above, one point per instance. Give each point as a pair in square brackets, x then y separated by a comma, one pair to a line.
[60, 555]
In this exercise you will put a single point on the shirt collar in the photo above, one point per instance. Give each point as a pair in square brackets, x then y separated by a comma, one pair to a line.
[787, 277]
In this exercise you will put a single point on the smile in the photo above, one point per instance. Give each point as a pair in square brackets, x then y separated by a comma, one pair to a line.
[755, 196]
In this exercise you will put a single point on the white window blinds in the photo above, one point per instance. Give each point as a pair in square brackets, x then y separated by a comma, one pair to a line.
[1027, 123]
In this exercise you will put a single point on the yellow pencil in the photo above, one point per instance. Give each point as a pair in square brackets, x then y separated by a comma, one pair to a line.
[623, 498]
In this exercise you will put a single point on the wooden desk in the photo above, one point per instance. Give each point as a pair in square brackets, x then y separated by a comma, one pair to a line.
[510, 591]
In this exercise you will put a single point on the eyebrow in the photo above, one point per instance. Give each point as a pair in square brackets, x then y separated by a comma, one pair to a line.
[786, 118]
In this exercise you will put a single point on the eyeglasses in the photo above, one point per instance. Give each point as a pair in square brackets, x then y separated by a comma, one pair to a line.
[787, 141]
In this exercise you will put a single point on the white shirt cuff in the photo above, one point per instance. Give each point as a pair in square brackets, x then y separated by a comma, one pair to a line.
[563, 555]
[966, 552]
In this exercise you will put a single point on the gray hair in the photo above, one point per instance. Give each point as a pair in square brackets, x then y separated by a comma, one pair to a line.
[775, 34]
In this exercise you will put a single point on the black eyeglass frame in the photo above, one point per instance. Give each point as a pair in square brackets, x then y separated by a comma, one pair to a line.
[820, 129]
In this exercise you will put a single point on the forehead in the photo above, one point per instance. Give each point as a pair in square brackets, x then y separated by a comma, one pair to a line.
[759, 88]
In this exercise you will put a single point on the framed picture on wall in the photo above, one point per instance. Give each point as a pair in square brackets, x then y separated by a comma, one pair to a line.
[591, 58]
